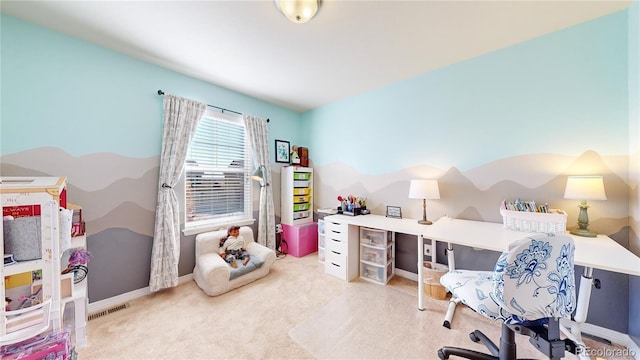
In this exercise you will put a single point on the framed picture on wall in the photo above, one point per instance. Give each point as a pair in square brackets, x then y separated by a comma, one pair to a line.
[394, 212]
[282, 151]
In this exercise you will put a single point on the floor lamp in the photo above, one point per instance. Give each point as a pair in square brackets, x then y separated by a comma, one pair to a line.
[584, 188]
[259, 176]
[424, 189]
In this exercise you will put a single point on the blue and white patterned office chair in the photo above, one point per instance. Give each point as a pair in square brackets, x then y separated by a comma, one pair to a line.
[530, 289]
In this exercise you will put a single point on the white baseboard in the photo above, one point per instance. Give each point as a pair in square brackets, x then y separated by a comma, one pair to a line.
[406, 274]
[123, 298]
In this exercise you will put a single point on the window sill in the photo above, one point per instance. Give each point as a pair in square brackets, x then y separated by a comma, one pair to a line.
[194, 230]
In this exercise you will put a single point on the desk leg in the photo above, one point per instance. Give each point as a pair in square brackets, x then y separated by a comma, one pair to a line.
[584, 296]
[420, 274]
[582, 308]
[448, 317]
[450, 257]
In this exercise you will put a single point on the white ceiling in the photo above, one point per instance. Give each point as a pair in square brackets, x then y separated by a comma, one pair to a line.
[349, 47]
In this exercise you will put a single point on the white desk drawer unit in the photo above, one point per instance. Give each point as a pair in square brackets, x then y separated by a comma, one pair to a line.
[338, 246]
[337, 230]
[341, 250]
[335, 264]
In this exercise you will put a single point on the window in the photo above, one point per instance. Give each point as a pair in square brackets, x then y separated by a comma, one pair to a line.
[217, 173]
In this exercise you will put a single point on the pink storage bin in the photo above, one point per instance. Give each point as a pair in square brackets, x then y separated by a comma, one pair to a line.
[54, 344]
[301, 239]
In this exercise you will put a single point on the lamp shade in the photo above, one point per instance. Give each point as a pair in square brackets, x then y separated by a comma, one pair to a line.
[424, 189]
[298, 11]
[585, 188]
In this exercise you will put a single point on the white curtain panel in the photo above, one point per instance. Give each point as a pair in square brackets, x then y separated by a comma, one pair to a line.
[258, 136]
[181, 117]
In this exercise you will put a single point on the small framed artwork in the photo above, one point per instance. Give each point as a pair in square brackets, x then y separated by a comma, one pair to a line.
[282, 151]
[394, 212]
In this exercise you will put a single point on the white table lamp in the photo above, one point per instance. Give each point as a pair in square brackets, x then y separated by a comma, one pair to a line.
[424, 189]
[584, 188]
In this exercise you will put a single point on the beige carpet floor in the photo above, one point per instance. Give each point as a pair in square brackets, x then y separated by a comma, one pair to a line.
[295, 312]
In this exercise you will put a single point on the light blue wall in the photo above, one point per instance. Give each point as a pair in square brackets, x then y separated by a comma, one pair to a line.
[56, 88]
[511, 123]
[71, 108]
[534, 98]
[509, 102]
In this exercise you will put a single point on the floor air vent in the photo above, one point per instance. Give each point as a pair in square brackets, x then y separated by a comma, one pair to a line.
[108, 311]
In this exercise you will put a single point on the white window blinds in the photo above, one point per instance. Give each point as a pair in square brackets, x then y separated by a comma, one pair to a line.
[217, 172]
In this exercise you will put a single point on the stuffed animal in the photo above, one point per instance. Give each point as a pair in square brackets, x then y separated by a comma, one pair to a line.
[295, 159]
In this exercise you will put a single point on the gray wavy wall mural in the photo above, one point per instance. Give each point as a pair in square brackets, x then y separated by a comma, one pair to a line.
[511, 123]
[118, 196]
[476, 194]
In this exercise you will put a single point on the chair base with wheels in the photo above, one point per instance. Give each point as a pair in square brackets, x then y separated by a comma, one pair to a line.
[530, 289]
[545, 338]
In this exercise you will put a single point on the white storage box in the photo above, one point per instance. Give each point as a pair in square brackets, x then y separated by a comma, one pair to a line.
[301, 214]
[374, 237]
[372, 255]
[301, 183]
[552, 222]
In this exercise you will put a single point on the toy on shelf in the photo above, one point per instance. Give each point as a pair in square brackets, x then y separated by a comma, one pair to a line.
[78, 259]
[77, 224]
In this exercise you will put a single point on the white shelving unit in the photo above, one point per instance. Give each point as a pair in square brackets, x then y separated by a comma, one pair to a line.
[377, 261]
[74, 307]
[58, 300]
[296, 195]
[36, 197]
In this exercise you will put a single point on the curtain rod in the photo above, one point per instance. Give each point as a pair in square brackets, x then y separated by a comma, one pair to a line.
[160, 92]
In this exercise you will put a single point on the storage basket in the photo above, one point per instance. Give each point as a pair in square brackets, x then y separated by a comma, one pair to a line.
[431, 273]
[22, 238]
[552, 222]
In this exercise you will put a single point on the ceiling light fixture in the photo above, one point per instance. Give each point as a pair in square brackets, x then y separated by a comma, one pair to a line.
[298, 11]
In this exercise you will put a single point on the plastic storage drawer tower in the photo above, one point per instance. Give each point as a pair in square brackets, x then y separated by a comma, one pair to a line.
[296, 212]
[376, 255]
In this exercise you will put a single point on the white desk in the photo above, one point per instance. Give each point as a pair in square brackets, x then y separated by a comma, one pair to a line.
[600, 252]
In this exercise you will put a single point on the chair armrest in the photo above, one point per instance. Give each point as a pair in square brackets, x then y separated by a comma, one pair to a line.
[262, 252]
[213, 268]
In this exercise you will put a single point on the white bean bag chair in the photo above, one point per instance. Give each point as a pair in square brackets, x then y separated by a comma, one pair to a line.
[215, 276]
